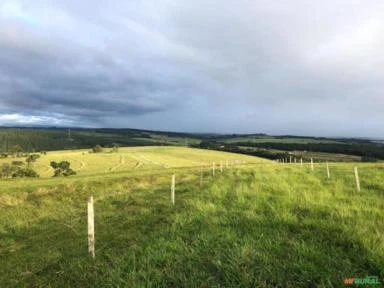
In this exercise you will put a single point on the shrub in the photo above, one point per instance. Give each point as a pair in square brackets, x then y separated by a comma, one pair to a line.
[97, 149]
[7, 170]
[17, 163]
[115, 147]
[14, 171]
[24, 172]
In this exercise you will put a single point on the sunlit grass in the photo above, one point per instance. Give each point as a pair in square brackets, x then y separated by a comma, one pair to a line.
[251, 226]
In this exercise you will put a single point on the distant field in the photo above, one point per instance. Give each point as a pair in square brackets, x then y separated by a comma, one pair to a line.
[317, 156]
[287, 140]
[133, 158]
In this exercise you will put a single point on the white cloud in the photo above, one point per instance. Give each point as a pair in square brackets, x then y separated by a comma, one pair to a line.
[20, 119]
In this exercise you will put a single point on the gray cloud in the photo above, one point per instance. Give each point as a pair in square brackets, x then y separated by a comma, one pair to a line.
[224, 66]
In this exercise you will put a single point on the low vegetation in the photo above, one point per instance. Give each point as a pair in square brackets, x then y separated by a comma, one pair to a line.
[253, 225]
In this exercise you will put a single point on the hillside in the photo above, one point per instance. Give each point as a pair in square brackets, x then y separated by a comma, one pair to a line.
[257, 224]
[134, 159]
[261, 145]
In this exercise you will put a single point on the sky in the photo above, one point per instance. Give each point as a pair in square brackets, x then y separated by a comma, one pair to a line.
[258, 66]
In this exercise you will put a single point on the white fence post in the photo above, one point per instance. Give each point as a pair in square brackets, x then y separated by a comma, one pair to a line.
[173, 189]
[357, 179]
[201, 176]
[91, 227]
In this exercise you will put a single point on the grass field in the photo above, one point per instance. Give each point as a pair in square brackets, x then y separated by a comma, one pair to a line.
[133, 158]
[259, 224]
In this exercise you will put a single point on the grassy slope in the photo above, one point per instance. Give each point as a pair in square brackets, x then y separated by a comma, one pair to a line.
[255, 225]
[133, 158]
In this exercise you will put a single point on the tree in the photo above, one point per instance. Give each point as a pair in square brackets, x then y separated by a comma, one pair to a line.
[62, 169]
[115, 147]
[32, 159]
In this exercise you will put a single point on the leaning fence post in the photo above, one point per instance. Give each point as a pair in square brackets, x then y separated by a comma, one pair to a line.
[328, 174]
[357, 179]
[173, 189]
[91, 228]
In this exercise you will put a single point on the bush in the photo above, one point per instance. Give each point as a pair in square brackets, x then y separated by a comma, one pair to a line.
[25, 172]
[14, 171]
[17, 163]
[97, 149]
[7, 170]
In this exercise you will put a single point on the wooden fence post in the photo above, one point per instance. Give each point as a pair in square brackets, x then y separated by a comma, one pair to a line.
[328, 174]
[173, 189]
[312, 164]
[301, 162]
[357, 179]
[91, 228]
[201, 176]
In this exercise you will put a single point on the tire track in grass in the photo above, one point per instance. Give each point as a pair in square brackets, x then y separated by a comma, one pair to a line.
[121, 162]
[154, 162]
[140, 158]
[137, 165]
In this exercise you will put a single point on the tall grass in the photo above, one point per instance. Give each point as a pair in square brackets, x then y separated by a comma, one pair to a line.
[251, 226]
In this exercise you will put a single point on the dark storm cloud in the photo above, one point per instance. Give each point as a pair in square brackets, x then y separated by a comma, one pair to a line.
[222, 66]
